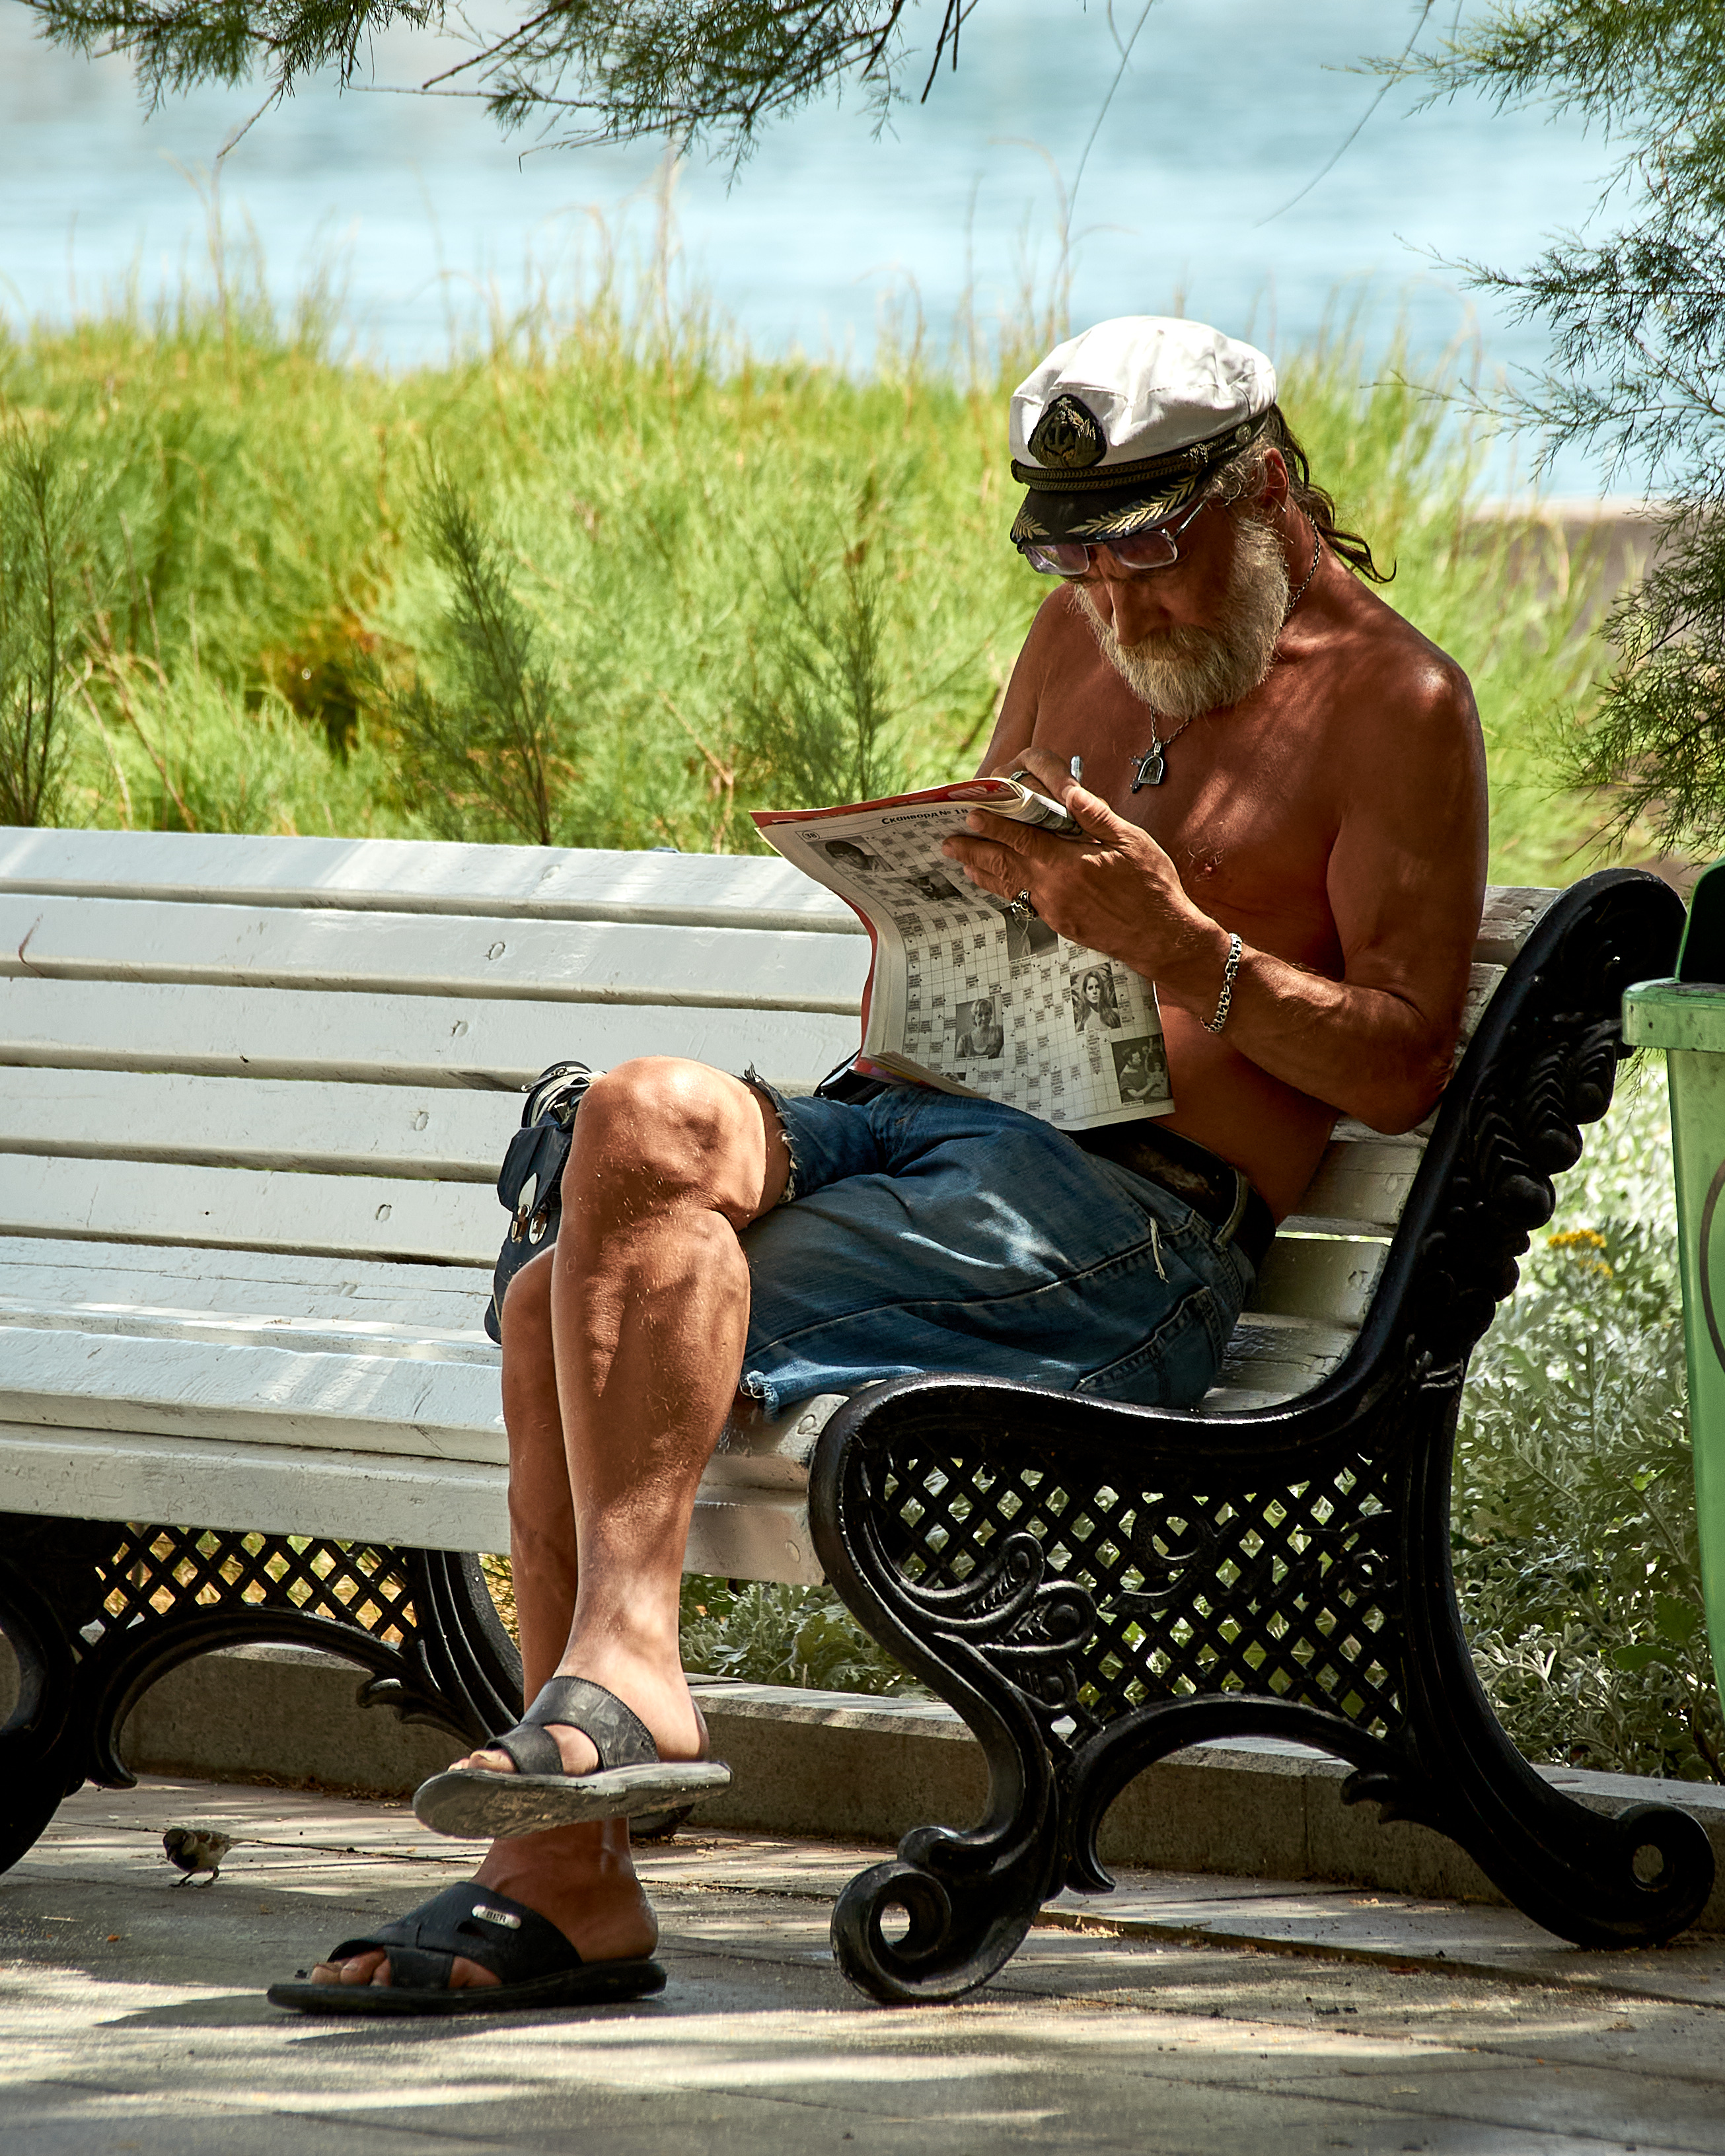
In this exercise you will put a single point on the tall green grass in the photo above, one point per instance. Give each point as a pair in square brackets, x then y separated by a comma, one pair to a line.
[735, 580]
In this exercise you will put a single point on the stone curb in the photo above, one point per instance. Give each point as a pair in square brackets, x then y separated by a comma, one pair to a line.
[842, 1766]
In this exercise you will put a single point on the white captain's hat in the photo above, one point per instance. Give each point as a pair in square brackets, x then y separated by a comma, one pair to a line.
[1121, 427]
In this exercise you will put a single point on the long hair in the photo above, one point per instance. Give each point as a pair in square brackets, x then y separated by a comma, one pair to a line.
[1317, 502]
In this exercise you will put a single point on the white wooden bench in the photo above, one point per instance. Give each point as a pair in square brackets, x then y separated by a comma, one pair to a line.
[258, 1089]
[256, 1094]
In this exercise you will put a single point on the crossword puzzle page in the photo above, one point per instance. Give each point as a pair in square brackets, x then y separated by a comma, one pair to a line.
[969, 993]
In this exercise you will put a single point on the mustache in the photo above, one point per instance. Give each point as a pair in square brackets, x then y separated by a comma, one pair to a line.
[1185, 669]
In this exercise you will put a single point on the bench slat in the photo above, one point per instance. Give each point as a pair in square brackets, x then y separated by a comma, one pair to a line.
[1328, 1278]
[423, 1132]
[1267, 1383]
[89, 1279]
[402, 1040]
[1511, 912]
[303, 1336]
[73, 1473]
[448, 1223]
[427, 1407]
[353, 952]
[400, 954]
[519, 882]
[246, 1209]
[1360, 1183]
[399, 876]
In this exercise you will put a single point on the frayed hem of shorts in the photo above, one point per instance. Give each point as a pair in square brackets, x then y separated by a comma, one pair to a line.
[762, 1389]
[752, 1077]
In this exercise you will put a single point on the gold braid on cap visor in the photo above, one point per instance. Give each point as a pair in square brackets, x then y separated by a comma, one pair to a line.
[1181, 471]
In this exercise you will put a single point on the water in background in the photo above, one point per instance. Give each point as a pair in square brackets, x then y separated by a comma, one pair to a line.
[1229, 109]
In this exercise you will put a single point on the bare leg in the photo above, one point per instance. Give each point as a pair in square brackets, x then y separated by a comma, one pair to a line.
[617, 1382]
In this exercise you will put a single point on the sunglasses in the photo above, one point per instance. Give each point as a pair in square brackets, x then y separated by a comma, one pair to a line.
[1154, 549]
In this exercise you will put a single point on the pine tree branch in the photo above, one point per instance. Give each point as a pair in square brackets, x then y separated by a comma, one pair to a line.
[586, 71]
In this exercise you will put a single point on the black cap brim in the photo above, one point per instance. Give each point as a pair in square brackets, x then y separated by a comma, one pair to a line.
[1116, 513]
[1080, 505]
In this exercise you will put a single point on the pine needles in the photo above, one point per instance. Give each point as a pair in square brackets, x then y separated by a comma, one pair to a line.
[493, 756]
[1636, 318]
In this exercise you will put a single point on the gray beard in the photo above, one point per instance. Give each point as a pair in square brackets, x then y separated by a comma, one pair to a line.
[1183, 671]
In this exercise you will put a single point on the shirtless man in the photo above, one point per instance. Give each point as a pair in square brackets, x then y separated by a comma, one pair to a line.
[1284, 819]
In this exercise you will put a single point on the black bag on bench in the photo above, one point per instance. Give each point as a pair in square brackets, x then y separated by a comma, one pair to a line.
[530, 1182]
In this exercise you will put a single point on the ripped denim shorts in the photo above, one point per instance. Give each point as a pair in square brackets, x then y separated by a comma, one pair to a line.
[923, 1231]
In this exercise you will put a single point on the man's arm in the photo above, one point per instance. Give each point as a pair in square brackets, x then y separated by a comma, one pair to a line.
[1405, 878]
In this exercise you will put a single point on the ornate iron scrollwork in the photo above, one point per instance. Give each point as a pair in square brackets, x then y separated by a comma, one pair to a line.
[97, 1612]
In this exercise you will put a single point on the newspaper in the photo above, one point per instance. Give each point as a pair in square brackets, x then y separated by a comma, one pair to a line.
[968, 993]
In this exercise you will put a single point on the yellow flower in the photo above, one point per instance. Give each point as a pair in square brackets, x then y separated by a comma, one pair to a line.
[1582, 1240]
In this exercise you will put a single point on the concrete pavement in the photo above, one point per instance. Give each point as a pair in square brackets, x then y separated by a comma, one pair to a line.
[1188, 2016]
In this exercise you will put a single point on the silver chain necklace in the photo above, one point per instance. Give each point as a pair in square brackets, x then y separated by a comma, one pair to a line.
[1151, 769]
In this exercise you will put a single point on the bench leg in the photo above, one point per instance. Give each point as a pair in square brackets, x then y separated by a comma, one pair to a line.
[96, 1612]
[1086, 1626]
[963, 1902]
[38, 1749]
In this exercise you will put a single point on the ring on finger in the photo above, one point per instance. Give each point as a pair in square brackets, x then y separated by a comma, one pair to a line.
[1024, 905]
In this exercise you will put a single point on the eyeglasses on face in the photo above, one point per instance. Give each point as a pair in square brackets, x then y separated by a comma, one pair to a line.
[1157, 548]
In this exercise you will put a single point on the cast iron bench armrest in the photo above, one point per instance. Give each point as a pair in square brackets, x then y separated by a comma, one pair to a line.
[1093, 1586]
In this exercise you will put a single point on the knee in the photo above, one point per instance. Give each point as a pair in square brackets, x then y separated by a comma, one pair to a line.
[524, 1322]
[666, 1124]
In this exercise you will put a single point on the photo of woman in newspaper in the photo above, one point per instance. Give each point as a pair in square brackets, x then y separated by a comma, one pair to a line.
[983, 1036]
[1096, 1003]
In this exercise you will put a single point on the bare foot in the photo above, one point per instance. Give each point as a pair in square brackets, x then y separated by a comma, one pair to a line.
[578, 1877]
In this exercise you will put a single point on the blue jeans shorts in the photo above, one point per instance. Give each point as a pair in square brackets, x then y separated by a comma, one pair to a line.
[922, 1231]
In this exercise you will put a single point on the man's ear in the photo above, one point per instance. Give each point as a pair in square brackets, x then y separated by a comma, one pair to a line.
[1277, 485]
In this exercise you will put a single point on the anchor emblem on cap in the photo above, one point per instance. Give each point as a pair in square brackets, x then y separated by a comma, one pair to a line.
[1069, 436]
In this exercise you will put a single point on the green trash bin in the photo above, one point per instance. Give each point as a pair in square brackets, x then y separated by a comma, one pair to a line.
[1686, 1017]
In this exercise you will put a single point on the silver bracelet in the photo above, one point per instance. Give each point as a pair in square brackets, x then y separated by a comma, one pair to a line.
[1235, 948]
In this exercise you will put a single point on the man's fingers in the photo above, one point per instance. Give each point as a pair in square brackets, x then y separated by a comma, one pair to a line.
[988, 864]
[1049, 775]
[1091, 811]
[1001, 831]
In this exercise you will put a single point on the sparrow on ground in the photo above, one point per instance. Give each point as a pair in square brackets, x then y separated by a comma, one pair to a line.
[196, 1849]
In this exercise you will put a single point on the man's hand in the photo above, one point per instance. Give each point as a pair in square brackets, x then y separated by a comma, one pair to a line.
[1115, 891]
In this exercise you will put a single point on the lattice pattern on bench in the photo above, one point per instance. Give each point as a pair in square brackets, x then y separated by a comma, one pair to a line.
[1284, 1592]
[166, 1571]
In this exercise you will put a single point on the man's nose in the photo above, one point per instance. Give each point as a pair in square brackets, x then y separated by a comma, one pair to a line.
[1136, 606]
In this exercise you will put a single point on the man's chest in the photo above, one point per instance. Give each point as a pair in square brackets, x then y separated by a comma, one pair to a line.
[1245, 803]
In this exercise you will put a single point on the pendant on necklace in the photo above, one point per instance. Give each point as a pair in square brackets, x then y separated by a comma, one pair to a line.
[1151, 766]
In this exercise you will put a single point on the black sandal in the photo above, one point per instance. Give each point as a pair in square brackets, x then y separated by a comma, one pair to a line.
[536, 1965]
[629, 1781]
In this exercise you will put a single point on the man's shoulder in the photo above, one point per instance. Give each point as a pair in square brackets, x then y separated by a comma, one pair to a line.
[1057, 621]
[1382, 652]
